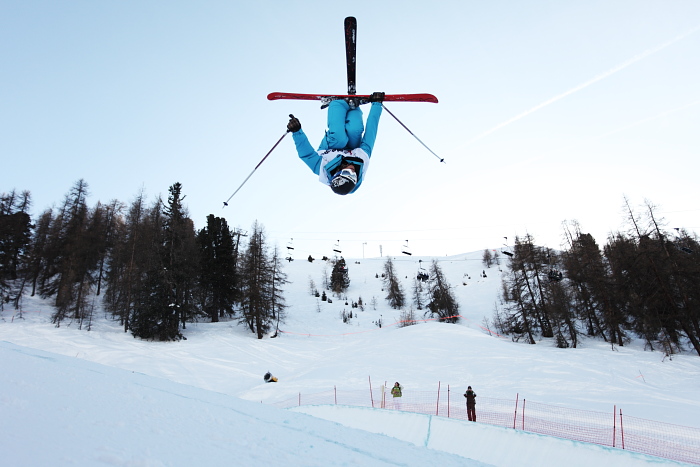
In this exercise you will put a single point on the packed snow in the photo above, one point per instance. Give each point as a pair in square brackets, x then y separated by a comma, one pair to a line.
[69, 396]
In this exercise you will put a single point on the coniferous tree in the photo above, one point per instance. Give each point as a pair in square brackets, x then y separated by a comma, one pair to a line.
[592, 288]
[340, 278]
[530, 267]
[515, 318]
[163, 278]
[443, 303]
[218, 281]
[15, 239]
[182, 254]
[258, 304]
[279, 279]
[661, 308]
[156, 313]
[686, 282]
[103, 232]
[487, 258]
[395, 295]
[73, 256]
[678, 285]
[496, 258]
[418, 293]
[520, 294]
[131, 254]
[37, 250]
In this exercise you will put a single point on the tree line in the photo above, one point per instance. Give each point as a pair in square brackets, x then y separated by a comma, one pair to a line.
[431, 291]
[155, 271]
[644, 283]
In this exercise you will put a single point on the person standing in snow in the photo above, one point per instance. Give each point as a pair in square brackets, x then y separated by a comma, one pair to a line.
[342, 158]
[471, 404]
[396, 394]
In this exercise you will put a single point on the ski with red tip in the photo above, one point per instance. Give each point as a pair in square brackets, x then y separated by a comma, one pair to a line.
[273, 96]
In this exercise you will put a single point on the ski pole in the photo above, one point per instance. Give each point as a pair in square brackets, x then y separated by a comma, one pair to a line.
[256, 168]
[421, 142]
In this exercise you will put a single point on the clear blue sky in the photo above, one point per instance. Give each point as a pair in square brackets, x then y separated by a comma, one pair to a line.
[549, 111]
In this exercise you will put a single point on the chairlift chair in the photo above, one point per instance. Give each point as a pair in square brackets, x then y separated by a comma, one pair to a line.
[555, 275]
[406, 250]
[290, 250]
[506, 252]
[422, 275]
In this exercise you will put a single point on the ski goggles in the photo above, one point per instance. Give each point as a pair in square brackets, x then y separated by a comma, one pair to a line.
[347, 174]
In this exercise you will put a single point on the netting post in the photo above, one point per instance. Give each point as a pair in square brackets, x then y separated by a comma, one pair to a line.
[515, 417]
[622, 431]
[437, 406]
[371, 397]
[523, 425]
[299, 399]
[335, 395]
[448, 401]
[614, 423]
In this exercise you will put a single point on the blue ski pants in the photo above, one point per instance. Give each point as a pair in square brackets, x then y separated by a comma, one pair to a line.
[345, 127]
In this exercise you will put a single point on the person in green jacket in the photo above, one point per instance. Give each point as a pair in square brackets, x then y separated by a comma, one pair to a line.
[396, 393]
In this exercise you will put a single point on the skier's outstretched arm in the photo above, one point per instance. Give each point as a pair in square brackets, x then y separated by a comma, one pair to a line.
[306, 152]
[370, 135]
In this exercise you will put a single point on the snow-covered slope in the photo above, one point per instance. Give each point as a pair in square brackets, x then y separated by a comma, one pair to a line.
[183, 398]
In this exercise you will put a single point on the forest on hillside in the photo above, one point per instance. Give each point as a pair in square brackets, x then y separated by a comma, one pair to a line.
[154, 273]
[644, 282]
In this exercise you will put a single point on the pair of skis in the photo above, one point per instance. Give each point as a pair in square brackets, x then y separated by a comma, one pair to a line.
[350, 25]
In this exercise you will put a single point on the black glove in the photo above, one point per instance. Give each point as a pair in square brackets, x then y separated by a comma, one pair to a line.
[377, 97]
[294, 124]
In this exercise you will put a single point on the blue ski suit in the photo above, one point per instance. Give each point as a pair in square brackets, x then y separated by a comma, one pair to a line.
[347, 139]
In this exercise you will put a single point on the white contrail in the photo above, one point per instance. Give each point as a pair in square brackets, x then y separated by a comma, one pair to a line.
[639, 122]
[597, 78]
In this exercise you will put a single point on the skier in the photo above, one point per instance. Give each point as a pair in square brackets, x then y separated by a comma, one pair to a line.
[342, 158]
[471, 404]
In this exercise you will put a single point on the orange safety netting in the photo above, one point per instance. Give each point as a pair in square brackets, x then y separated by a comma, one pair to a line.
[666, 440]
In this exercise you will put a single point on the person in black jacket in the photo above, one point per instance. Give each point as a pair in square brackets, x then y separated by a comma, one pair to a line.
[471, 404]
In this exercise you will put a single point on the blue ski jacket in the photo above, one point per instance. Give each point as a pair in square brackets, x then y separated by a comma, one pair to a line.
[325, 162]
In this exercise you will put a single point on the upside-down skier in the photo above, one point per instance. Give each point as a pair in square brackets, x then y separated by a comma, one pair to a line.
[342, 158]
